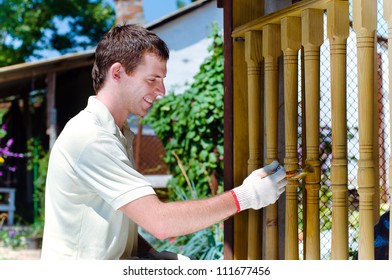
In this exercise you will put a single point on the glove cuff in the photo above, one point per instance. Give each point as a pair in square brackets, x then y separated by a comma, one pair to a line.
[237, 204]
[241, 198]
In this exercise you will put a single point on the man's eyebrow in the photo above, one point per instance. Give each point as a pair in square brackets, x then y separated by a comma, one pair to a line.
[158, 76]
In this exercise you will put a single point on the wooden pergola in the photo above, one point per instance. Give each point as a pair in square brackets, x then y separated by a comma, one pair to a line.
[261, 125]
[20, 79]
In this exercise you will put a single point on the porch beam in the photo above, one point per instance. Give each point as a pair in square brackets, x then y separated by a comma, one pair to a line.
[294, 10]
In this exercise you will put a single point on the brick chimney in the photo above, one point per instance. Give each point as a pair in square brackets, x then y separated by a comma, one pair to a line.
[129, 11]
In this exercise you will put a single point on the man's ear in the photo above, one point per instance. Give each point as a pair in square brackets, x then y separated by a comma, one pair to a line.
[115, 71]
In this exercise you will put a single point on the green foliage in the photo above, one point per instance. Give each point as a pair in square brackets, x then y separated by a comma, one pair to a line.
[13, 237]
[182, 3]
[38, 163]
[190, 126]
[206, 244]
[28, 26]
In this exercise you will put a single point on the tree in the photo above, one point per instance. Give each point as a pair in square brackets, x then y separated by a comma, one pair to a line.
[181, 3]
[30, 26]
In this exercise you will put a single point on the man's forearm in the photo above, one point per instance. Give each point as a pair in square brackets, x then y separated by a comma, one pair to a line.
[168, 219]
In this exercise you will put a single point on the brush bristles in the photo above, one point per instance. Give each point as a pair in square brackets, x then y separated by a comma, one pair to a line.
[299, 173]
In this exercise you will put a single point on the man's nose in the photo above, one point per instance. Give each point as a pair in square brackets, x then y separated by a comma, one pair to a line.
[160, 91]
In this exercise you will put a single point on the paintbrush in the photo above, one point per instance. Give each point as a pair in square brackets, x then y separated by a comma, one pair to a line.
[299, 173]
[292, 174]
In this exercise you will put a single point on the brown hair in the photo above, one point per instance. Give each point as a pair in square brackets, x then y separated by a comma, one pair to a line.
[125, 44]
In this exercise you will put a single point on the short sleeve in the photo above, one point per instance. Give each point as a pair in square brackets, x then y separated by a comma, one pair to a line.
[105, 168]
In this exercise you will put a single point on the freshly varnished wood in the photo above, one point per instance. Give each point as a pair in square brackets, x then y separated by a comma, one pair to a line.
[364, 23]
[291, 44]
[338, 30]
[271, 54]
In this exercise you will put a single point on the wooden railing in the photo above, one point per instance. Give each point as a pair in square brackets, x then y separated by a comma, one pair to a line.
[285, 33]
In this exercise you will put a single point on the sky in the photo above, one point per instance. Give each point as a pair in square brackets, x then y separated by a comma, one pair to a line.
[155, 9]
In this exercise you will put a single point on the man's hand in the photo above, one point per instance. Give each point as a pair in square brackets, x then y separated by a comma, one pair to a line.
[261, 188]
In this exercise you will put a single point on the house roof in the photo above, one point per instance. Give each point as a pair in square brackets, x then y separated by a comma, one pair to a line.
[22, 72]
[16, 75]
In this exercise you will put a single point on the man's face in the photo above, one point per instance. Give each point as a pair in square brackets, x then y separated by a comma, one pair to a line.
[141, 88]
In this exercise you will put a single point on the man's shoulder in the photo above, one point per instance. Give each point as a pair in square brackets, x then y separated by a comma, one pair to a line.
[81, 128]
[83, 122]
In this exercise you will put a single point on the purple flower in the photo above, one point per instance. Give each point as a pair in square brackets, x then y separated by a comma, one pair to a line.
[12, 233]
[10, 142]
[12, 168]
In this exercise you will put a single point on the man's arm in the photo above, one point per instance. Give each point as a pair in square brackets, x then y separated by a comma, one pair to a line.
[168, 219]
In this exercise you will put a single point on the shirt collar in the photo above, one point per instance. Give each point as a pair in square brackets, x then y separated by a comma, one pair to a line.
[104, 117]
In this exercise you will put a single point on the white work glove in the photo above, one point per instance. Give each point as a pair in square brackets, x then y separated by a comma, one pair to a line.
[261, 188]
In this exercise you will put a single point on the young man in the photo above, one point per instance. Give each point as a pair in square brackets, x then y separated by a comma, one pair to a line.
[95, 199]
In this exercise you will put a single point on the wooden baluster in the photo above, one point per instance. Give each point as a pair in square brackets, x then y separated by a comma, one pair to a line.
[312, 38]
[338, 30]
[388, 19]
[364, 23]
[271, 53]
[291, 43]
[253, 57]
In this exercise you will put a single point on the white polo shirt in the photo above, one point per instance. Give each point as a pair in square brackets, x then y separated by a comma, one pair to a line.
[90, 176]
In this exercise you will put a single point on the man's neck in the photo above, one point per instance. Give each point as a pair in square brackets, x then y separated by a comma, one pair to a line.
[118, 114]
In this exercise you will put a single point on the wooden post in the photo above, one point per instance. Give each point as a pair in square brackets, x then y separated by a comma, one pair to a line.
[388, 19]
[240, 144]
[241, 14]
[253, 57]
[312, 38]
[364, 23]
[338, 30]
[228, 128]
[291, 43]
[271, 53]
[51, 112]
